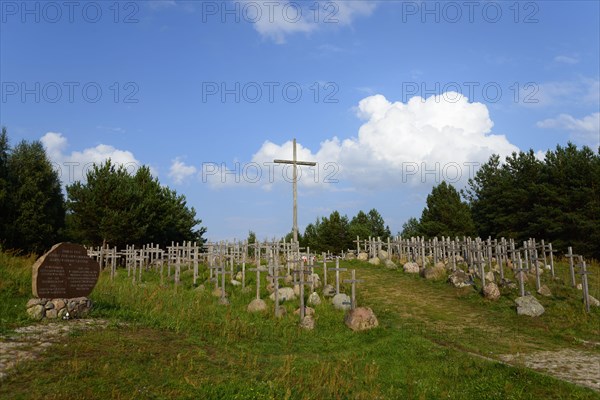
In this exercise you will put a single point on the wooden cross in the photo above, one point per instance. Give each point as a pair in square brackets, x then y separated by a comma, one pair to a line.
[571, 269]
[353, 281]
[276, 277]
[295, 163]
[584, 283]
[257, 269]
[520, 271]
[337, 270]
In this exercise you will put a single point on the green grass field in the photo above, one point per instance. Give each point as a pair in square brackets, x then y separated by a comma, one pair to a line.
[434, 342]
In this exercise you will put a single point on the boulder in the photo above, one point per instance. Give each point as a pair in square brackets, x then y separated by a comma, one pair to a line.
[288, 279]
[328, 291]
[308, 322]
[307, 311]
[297, 290]
[224, 301]
[593, 301]
[235, 283]
[314, 299]
[434, 273]
[362, 257]
[36, 312]
[350, 256]
[341, 301]
[216, 292]
[508, 284]
[389, 264]
[257, 305]
[315, 279]
[34, 302]
[528, 305]
[545, 291]
[285, 293]
[270, 287]
[440, 264]
[51, 314]
[239, 276]
[411, 267]
[383, 255]
[374, 261]
[360, 319]
[491, 291]
[459, 279]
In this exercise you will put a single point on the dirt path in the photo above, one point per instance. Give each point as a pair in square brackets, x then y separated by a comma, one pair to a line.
[27, 343]
[461, 325]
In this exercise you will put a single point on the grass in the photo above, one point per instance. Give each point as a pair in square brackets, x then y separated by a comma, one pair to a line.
[179, 343]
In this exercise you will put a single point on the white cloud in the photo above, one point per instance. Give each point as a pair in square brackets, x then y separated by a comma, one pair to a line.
[401, 142]
[179, 171]
[285, 18]
[580, 91]
[566, 59]
[584, 131]
[74, 166]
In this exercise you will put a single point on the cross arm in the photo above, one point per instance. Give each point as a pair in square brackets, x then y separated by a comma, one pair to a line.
[308, 163]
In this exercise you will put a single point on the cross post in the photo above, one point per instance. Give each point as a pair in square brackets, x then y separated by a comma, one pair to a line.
[295, 164]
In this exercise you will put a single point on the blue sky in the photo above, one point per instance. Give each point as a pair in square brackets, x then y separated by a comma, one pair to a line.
[388, 97]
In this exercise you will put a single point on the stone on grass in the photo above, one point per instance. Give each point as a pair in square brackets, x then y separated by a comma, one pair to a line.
[593, 301]
[382, 254]
[389, 264]
[314, 299]
[434, 273]
[200, 288]
[308, 323]
[341, 301]
[51, 314]
[460, 279]
[360, 319]
[285, 293]
[362, 257]
[328, 291]
[288, 279]
[257, 305]
[440, 264]
[375, 261]
[315, 280]
[411, 267]
[307, 311]
[224, 301]
[236, 283]
[238, 276]
[217, 292]
[545, 291]
[528, 305]
[270, 287]
[350, 256]
[36, 312]
[491, 291]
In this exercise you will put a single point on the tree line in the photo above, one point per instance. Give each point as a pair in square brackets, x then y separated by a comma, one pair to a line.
[556, 199]
[112, 206]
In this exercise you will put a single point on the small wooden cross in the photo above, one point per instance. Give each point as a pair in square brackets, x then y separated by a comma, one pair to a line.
[337, 270]
[353, 281]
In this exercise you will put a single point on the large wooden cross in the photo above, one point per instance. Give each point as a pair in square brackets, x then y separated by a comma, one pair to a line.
[295, 163]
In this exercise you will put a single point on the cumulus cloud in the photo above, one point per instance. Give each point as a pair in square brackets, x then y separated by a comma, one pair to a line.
[74, 166]
[583, 131]
[291, 17]
[179, 171]
[423, 140]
